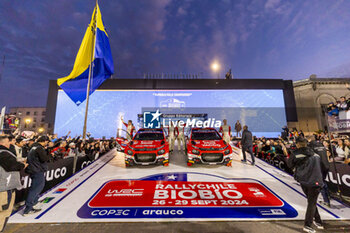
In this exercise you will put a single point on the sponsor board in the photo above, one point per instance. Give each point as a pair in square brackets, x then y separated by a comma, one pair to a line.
[58, 171]
[172, 195]
[339, 124]
[342, 177]
[154, 120]
[339, 173]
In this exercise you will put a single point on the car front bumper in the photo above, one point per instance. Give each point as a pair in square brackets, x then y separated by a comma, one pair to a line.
[131, 160]
[198, 159]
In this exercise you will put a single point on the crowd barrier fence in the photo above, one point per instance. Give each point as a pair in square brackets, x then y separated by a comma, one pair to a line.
[58, 171]
[343, 174]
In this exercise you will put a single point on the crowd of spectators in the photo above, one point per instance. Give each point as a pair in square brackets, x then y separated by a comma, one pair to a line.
[338, 146]
[342, 104]
[59, 147]
[10, 124]
[32, 154]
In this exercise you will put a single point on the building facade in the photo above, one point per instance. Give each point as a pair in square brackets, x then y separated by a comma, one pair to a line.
[312, 95]
[31, 119]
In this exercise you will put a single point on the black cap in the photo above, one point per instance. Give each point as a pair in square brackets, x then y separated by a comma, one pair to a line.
[43, 139]
[19, 139]
[301, 140]
[3, 136]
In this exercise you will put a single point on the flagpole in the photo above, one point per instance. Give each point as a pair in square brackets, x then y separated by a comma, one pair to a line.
[90, 74]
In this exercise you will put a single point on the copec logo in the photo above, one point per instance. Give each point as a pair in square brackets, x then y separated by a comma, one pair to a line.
[153, 120]
[171, 195]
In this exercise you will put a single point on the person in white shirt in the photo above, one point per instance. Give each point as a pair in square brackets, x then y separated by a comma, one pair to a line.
[225, 130]
[180, 129]
[347, 151]
[19, 149]
[340, 149]
[72, 150]
[343, 105]
[171, 135]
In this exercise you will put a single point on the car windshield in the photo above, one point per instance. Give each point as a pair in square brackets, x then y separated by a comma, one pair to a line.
[205, 135]
[149, 136]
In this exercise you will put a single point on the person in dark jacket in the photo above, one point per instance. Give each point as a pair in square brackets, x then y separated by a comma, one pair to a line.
[9, 163]
[247, 144]
[319, 149]
[26, 148]
[37, 160]
[12, 144]
[308, 173]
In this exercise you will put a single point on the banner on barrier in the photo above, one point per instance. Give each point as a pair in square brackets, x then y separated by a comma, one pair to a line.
[58, 171]
[343, 177]
[340, 123]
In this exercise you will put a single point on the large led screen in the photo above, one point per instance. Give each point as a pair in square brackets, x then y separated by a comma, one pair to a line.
[262, 110]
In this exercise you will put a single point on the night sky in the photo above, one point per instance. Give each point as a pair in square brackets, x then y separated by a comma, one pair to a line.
[257, 39]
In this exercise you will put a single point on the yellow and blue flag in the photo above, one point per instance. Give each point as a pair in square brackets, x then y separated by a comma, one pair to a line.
[97, 51]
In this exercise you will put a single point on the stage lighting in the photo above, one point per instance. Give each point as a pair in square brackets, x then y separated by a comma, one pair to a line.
[215, 66]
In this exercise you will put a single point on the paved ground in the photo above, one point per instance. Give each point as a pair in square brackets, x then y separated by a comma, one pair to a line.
[66, 205]
[65, 212]
[182, 227]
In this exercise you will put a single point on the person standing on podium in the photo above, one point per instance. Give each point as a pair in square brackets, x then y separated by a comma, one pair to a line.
[130, 128]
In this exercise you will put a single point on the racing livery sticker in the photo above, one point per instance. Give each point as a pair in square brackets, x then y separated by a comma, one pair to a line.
[47, 200]
[59, 191]
[171, 195]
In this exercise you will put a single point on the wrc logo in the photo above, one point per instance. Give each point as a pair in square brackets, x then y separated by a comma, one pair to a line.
[124, 192]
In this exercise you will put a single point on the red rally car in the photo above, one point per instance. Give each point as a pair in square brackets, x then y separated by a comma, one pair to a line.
[205, 145]
[149, 146]
[121, 144]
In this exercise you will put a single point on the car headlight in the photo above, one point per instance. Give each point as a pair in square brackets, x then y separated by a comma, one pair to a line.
[160, 152]
[130, 152]
[159, 147]
[227, 152]
[196, 152]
